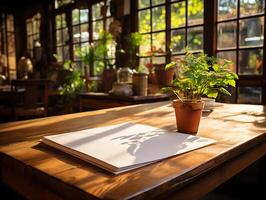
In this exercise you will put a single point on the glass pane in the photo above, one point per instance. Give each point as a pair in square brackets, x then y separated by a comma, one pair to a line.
[156, 2]
[251, 7]
[96, 11]
[75, 16]
[227, 35]
[228, 55]
[66, 53]
[10, 23]
[108, 22]
[29, 28]
[65, 36]
[76, 34]
[195, 12]
[30, 42]
[251, 32]
[158, 18]
[250, 62]
[158, 60]
[145, 47]
[63, 20]
[146, 62]
[144, 21]
[178, 40]
[58, 37]
[97, 29]
[158, 43]
[195, 38]
[59, 52]
[75, 47]
[84, 14]
[178, 14]
[227, 9]
[98, 67]
[84, 28]
[144, 4]
[111, 46]
[249, 95]
[58, 21]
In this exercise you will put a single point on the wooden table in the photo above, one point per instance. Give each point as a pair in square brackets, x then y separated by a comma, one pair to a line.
[96, 100]
[40, 172]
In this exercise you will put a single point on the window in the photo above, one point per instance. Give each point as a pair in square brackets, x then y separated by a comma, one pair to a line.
[80, 32]
[82, 28]
[168, 27]
[7, 47]
[62, 38]
[33, 32]
[59, 3]
[240, 38]
[101, 19]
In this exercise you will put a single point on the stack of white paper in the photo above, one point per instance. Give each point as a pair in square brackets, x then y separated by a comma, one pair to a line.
[126, 146]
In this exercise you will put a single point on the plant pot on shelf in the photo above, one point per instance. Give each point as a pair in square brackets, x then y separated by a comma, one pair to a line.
[163, 77]
[188, 115]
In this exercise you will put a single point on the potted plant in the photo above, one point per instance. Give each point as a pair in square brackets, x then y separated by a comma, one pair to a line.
[197, 76]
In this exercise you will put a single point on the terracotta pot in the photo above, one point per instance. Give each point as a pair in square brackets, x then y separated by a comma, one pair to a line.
[188, 115]
[163, 77]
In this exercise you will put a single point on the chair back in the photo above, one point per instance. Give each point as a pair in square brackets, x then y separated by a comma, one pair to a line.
[30, 94]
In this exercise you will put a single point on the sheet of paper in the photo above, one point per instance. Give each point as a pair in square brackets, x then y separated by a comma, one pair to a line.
[125, 146]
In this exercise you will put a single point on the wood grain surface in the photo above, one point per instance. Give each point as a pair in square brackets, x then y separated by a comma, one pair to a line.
[41, 172]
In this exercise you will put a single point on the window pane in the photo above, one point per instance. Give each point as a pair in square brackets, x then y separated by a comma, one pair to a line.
[227, 9]
[84, 15]
[98, 67]
[84, 32]
[145, 47]
[66, 53]
[249, 95]
[195, 38]
[65, 36]
[178, 40]
[158, 60]
[158, 43]
[59, 52]
[228, 55]
[58, 37]
[156, 2]
[195, 11]
[227, 35]
[97, 29]
[75, 48]
[144, 4]
[250, 62]
[178, 14]
[146, 62]
[144, 21]
[75, 16]
[63, 20]
[29, 28]
[76, 34]
[108, 22]
[58, 21]
[158, 18]
[96, 11]
[251, 31]
[251, 7]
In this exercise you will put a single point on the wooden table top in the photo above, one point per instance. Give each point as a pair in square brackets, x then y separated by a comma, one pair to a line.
[236, 128]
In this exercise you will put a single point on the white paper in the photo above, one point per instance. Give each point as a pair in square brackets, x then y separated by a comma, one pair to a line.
[126, 146]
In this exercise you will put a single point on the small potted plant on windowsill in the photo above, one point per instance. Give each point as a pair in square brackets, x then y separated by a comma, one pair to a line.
[197, 76]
